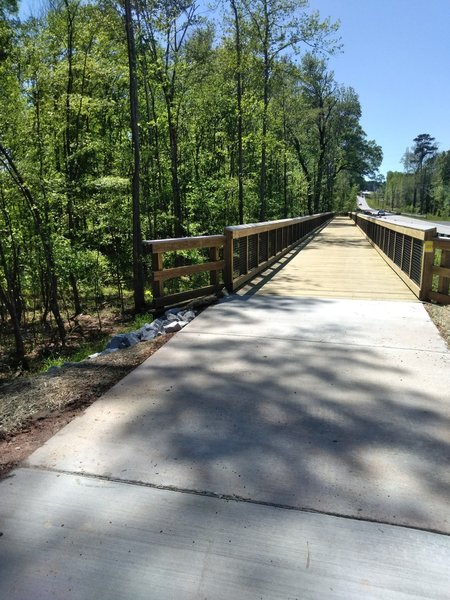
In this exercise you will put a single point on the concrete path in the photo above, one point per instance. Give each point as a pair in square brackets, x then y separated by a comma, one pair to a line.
[193, 477]
[277, 447]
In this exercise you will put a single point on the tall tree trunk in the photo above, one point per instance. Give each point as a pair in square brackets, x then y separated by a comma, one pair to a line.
[11, 298]
[179, 230]
[70, 168]
[138, 271]
[263, 168]
[18, 338]
[44, 235]
[307, 174]
[154, 144]
[240, 165]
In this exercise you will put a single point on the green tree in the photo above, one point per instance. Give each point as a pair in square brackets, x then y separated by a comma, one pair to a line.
[280, 26]
[138, 272]
[423, 151]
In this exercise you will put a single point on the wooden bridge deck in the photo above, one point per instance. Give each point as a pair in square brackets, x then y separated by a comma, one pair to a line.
[338, 263]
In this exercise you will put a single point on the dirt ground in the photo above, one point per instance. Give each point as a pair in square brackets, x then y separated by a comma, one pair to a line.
[441, 317]
[35, 408]
[32, 409]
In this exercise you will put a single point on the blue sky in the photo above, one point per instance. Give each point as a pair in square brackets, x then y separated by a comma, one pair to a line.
[396, 56]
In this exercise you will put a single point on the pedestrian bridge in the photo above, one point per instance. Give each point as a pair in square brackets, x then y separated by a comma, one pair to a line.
[292, 441]
[351, 256]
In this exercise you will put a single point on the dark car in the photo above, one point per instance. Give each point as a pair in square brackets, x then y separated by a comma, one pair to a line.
[381, 213]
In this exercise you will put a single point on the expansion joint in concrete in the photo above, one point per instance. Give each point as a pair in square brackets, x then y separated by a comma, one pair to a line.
[233, 498]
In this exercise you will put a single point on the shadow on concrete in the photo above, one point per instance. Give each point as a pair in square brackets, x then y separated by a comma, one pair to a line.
[335, 427]
[324, 427]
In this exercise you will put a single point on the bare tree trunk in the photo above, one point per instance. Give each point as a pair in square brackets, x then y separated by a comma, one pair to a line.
[43, 234]
[240, 165]
[263, 169]
[138, 271]
[70, 169]
[179, 230]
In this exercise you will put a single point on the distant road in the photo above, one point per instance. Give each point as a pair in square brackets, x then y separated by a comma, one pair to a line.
[443, 228]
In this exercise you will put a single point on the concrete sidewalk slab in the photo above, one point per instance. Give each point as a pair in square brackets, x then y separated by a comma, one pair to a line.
[66, 536]
[340, 412]
[336, 321]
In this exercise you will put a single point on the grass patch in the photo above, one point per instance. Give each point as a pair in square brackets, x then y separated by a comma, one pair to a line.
[76, 355]
[86, 349]
[138, 322]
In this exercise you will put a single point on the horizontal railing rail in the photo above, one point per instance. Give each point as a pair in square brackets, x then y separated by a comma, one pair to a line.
[250, 249]
[411, 253]
[231, 259]
[214, 266]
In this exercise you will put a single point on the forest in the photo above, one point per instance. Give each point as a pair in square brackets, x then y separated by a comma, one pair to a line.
[124, 121]
[424, 185]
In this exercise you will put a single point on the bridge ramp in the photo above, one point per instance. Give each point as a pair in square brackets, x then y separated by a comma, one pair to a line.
[339, 262]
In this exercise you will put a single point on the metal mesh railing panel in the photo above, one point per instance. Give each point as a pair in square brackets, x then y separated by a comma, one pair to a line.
[239, 257]
[252, 251]
[263, 247]
[390, 244]
[272, 243]
[406, 258]
[416, 261]
[398, 249]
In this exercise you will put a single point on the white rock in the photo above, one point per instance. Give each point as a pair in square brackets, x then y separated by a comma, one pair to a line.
[188, 315]
[172, 327]
[172, 317]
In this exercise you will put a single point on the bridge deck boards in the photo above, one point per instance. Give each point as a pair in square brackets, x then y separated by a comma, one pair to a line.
[338, 263]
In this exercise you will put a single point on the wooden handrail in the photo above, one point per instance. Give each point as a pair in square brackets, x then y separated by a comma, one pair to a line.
[252, 248]
[253, 228]
[411, 252]
[418, 232]
[261, 244]
[214, 266]
[186, 243]
[188, 270]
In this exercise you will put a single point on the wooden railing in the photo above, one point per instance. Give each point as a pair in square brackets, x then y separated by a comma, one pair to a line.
[215, 265]
[441, 271]
[411, 252]
[231, 260]
[250, 249]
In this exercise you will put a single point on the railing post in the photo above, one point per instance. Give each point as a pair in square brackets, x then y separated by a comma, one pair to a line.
[214, 257]
[426, 281]
[157, 265]
[444, 282]
[228, 258]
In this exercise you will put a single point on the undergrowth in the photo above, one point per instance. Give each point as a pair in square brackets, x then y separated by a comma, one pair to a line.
[87, 348]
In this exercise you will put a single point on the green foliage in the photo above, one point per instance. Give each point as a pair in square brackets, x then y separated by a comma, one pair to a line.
[65, 143]
[85, 350]
[424, 186]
